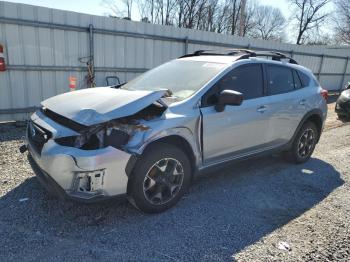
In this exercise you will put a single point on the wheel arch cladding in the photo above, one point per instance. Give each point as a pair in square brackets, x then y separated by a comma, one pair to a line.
[174, 140]
[179, 142]
[314, 116]
[317, 120]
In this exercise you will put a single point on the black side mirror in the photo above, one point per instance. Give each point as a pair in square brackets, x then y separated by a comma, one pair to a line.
[112, 81]
[228, 97]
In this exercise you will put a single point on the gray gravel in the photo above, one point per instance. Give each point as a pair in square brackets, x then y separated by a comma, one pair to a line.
[240, 213]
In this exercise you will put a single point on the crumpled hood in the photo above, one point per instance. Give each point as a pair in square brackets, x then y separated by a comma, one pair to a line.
[100, 104]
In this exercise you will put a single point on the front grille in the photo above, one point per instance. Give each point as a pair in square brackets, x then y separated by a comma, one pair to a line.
[37, 136]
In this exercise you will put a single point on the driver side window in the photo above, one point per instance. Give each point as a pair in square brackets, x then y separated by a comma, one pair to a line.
[246, 79]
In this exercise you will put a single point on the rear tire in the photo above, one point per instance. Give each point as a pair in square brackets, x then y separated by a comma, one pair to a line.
[304, 144]
[160, 178]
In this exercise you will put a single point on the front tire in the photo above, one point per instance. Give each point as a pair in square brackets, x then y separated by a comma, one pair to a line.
[160, 178]
[304, 143]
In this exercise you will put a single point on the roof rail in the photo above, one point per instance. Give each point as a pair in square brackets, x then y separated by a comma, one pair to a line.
[277, 56]
[217, 52]
[243, 54]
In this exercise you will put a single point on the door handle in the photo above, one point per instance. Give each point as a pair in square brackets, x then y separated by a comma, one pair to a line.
[302, 102]
[261, 109]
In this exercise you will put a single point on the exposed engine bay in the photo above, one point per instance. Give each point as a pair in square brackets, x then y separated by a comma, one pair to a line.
[115, 133]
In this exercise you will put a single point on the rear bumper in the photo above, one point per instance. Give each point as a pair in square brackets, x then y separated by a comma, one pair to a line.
[72, 173]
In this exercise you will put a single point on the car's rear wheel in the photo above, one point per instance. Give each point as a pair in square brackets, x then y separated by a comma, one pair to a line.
[160, 178]
[304, 143]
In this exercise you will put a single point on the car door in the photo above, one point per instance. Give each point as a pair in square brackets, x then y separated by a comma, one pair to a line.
[237, 130]
[286, 103]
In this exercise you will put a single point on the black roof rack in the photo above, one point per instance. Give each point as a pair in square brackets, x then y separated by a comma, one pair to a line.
[244, 54]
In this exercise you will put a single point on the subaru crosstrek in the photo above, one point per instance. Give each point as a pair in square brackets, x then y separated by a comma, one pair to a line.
[146, 139]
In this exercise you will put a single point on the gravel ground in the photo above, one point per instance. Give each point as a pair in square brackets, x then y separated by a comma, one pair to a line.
[243, 212]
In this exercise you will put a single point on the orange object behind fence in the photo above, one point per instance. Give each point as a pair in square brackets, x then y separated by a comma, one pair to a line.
[72, 82]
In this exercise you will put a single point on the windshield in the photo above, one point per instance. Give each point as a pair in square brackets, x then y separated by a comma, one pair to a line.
[181, 77]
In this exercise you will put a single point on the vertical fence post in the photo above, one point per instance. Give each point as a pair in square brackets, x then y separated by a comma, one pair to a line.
[291, 53]
[186, 45]
[320, 68]
[344, 73]
[91, 68]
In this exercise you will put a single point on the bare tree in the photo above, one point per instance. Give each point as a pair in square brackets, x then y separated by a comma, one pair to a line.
[236, 17]
[248, 22]
[122, 10]
[146, 8]
[235, 12]
[342, 20]
[221, 21]
[242, 17]
[268, 23]
[308, 16]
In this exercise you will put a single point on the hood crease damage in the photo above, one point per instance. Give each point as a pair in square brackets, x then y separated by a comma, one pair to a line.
[110, 119]
[97, 105]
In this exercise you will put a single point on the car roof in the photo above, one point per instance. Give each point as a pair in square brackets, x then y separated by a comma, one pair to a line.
[222, 59]
[231, 59]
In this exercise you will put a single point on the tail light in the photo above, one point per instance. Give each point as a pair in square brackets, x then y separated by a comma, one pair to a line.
[324, 94]
[2, 59]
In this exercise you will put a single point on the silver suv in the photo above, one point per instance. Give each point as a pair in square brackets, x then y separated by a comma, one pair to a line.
[146, 139]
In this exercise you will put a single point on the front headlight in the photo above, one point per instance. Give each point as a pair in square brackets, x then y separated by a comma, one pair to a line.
[87, 142]
[79, 141]
[101, 139]
[71, 141]
[114, 135]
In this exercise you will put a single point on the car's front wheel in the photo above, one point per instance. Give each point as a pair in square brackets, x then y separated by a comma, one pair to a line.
[160, 178]
[304, 143]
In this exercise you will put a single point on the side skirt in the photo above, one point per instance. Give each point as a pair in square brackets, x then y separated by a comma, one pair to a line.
[220, 164]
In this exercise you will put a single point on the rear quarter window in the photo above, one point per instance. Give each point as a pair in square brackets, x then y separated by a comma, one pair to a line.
[297, 81]
[305, 79]
[280, 79]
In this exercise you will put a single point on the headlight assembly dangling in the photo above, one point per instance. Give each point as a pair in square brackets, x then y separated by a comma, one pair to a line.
[80, 141]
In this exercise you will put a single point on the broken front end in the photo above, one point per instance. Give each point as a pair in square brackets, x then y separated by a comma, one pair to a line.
[82, 162]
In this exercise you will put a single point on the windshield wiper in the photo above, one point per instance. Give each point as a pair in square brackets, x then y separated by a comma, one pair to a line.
[118, 86]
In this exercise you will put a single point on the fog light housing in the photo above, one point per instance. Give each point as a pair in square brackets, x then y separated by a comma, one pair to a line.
[89, 182]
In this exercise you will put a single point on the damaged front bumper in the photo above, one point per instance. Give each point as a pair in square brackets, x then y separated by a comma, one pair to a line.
[85, 175]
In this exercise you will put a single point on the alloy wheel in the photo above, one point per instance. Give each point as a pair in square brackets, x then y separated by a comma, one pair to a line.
[306, 143]
[163, 181]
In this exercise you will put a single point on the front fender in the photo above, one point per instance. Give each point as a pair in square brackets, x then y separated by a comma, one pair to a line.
[189, 133]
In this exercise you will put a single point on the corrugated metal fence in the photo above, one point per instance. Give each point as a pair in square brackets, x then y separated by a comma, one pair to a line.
[43, 47]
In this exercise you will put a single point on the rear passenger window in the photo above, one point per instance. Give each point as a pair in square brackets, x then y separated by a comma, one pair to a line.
[305, 80]
[246, 79]
[280, 79]
[297, 82]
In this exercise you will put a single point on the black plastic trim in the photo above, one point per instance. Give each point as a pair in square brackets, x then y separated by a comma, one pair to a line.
[130, 165]
[303, 120]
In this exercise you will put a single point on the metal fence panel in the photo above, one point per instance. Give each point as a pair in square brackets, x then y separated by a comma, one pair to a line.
[43, 47]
